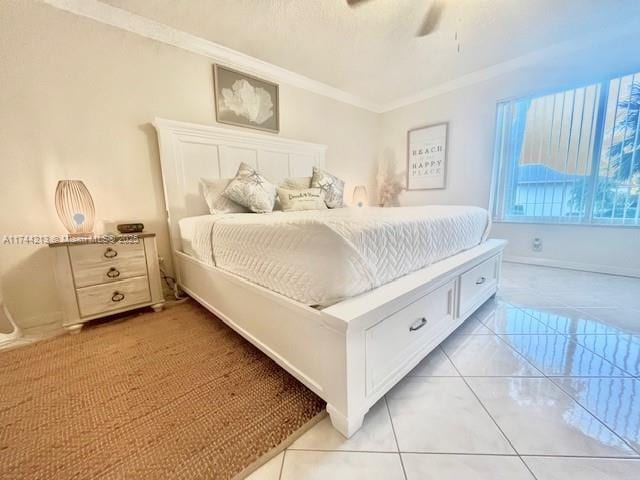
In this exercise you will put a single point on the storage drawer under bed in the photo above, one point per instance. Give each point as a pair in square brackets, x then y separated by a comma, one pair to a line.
[397, 339]
[477, 284]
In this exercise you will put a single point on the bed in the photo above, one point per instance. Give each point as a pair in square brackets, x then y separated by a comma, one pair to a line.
[347, 300]
[320, 258]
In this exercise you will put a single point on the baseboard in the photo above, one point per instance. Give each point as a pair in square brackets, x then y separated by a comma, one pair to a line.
[42, 324]
[584, 267]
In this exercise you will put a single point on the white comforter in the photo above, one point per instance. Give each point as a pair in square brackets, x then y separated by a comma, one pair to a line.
[321, 257]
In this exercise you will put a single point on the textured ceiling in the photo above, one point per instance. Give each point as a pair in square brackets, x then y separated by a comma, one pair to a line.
[371, 51]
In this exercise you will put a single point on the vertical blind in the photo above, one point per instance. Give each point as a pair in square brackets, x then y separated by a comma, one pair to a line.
[570, 157]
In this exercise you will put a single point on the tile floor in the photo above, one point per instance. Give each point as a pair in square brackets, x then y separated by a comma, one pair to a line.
[543, 382]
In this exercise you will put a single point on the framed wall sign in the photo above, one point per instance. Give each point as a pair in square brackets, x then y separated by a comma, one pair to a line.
[245, 100]
[427, 157]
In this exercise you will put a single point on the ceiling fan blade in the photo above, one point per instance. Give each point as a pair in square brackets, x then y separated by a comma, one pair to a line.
[432, 19]
[356, 3]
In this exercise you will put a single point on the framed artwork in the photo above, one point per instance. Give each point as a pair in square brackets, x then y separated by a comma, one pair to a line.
[246, 101]
[427, 157]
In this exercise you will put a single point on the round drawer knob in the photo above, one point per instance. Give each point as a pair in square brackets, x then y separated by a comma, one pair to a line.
[117, 297]
[110, 253]
[113, 273]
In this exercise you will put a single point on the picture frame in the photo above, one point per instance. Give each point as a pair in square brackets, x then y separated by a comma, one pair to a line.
[427, 157]
[246, 101]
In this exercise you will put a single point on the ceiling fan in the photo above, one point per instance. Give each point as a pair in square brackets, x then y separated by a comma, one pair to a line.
[431, 19]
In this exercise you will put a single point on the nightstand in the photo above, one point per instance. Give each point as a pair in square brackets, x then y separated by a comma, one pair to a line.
[97, 277]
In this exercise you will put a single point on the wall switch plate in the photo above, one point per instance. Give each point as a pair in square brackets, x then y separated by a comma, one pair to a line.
[536, 244]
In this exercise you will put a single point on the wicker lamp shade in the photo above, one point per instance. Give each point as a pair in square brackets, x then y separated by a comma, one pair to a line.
[360, 197]
[75, 207]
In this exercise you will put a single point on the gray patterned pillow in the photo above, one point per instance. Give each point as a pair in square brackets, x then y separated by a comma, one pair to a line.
[332, 187]
[218, 203]
[251, 190]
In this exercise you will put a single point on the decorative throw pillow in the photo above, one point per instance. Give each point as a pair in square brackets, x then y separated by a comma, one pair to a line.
[296, 183]
[252, 190]
[218, 203]
[292, 183]
[307, 199]
[332, 187]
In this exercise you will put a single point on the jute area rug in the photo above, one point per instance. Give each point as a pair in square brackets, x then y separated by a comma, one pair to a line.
[171, 395]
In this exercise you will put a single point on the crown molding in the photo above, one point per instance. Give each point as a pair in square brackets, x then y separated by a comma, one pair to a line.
[461, 82]
[119, 18]
[537, 56]
[125, 20]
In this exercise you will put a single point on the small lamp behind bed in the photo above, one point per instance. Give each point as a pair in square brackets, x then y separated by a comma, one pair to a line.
[360, 197]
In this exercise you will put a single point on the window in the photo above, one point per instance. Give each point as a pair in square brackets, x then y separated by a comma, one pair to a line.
[570, 157]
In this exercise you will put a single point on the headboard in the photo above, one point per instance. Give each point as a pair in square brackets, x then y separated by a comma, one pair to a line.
[189, 152]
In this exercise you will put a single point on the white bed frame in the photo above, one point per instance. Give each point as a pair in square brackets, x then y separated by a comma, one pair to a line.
[351, 353]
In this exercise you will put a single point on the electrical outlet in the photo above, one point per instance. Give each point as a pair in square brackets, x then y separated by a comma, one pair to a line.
[536, 244]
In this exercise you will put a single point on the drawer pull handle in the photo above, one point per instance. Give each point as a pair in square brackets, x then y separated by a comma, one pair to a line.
[113, 273]
[419, 325]
[481, 280]
[110, 253]
[117, 297]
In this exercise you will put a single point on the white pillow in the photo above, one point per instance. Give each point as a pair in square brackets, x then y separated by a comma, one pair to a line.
[252, 190]
[296, 183]
[293, 183]
[307, 199]
[332, 187]
[218, 203]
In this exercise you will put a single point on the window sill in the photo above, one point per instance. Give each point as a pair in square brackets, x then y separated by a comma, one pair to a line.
[563, 224]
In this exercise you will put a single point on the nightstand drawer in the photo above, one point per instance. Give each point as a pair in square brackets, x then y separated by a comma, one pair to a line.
[115, 296]
[86, 274]
[85, 257]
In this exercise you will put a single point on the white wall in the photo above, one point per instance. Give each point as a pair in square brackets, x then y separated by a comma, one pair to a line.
[76, 101]
[77, 98]
[471, 111]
